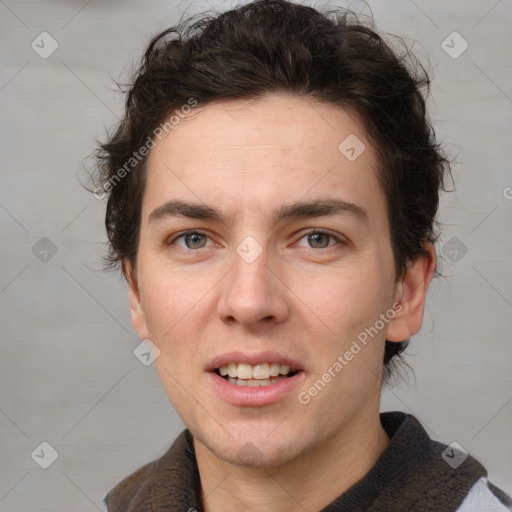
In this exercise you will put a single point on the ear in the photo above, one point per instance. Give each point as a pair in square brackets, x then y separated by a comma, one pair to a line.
[411, 292]
[136, 312]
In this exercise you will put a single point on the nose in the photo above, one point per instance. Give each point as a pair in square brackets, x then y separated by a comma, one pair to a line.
[253, 293]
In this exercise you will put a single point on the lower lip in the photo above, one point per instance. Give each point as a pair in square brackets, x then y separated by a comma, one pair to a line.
[252, 397]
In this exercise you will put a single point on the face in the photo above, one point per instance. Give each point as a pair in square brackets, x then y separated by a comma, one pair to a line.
[265, 253]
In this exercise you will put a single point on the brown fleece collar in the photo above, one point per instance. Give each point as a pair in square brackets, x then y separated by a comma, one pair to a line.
[410, 475]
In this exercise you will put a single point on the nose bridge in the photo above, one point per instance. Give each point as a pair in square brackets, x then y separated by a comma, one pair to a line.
[251, 260]
[250, 275]
[251, 291]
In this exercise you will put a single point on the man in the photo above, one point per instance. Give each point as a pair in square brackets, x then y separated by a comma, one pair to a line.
[272, 189]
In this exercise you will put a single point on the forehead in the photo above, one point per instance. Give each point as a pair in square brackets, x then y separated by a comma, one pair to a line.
[255, 154]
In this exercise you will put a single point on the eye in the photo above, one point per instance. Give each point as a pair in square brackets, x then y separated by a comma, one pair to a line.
[192, 240]
[319, 239]
[316, 239]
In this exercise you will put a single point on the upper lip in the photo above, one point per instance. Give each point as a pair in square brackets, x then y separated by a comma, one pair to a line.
[253, 359]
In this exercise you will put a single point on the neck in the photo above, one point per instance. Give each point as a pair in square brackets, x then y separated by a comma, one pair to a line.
[310, 482]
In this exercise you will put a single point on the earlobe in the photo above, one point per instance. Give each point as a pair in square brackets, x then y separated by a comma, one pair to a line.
[411, 293]
[137, 315]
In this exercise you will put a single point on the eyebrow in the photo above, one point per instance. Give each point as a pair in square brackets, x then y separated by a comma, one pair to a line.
[296, 210]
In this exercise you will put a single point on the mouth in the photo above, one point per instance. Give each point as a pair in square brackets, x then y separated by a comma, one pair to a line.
[258, 375]
[254, 380]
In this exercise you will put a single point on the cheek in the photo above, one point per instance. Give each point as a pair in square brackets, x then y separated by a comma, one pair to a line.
[343, 301]
[166, 294]
[174, 309]
[175, 386]
[164, 304]
[344, 310]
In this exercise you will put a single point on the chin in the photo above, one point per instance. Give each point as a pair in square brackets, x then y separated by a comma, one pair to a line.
[253, 449]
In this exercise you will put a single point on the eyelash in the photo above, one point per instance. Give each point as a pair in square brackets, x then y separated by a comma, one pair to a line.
[311, 232]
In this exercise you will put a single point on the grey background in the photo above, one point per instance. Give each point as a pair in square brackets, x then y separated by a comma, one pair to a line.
[68, 373]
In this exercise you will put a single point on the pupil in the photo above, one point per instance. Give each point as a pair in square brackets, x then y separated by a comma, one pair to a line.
[195, 238]
[315, 238]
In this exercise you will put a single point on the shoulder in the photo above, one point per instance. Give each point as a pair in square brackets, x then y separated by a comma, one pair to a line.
[167, 483]
[430, 475]
[485, 497]
[119, 498]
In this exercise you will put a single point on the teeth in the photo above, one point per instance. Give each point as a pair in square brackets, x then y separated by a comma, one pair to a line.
[274, 369]
[252, 383]
[284, 369]
[261, 372]
[231, 369]
[244, 371]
